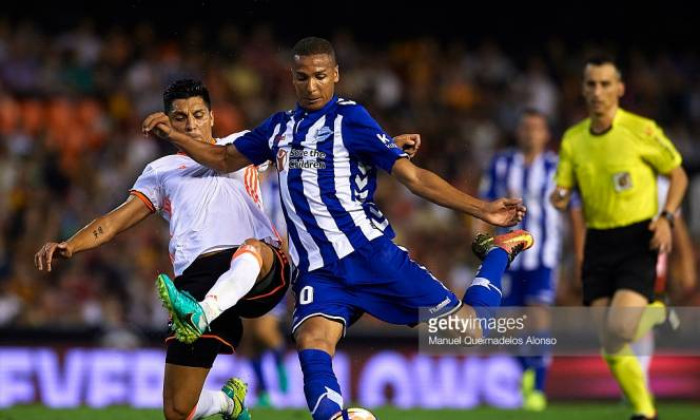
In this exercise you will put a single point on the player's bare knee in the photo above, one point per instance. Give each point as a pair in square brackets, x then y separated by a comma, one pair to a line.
[263, 251]
[621, 330]
[312, 340]
[172, 410]
[474, 333]
[468, 313]
[254, 243]
[254, 246]
[309, 336]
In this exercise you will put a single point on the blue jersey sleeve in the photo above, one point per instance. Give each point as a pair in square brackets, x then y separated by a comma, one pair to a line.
[365, 139]
[255, 145]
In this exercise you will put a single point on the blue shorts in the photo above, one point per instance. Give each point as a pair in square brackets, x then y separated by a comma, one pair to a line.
[528, 287]
[380, 279]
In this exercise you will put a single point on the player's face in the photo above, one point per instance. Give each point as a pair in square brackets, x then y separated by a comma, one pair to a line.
[532, 133]
[191, 116]
[314, 78]
[602, 88]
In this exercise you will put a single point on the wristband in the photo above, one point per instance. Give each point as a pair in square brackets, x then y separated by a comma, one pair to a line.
[668, 216]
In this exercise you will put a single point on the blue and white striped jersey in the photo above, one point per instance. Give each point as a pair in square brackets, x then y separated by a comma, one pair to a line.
[508, 176]
[327, 164]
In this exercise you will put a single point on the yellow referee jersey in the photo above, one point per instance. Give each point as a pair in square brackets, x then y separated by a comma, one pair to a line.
[615, 172]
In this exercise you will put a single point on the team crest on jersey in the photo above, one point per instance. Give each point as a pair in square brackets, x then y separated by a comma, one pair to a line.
[622, 181]
[323, 134]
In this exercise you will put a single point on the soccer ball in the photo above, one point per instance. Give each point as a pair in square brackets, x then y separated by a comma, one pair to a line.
[356, 414]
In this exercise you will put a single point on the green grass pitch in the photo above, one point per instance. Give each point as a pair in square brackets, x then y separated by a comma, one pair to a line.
[578, 411]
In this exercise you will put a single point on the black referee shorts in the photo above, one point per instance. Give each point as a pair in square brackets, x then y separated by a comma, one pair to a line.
[226, 330]
[616, 259]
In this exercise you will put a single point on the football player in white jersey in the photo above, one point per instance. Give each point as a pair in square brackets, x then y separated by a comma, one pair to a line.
[225, 253]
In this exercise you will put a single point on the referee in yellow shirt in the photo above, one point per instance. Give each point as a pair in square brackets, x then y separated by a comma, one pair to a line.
[612, 158]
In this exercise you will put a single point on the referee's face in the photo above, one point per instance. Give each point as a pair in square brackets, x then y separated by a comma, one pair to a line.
[314, 78]
[602, 88]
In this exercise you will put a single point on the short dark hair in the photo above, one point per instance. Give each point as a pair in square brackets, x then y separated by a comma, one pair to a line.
[601, 59]
[313, 45]
[183, 89]
[534, 112]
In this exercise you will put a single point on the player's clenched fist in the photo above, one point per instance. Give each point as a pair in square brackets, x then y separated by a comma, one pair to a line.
[158, 124]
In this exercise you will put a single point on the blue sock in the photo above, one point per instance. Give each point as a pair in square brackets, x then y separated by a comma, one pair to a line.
[540, 367]
[278, 353]
[485, 291]
[541, 360]
[282, 378]
[320, 384]
[537, 358]
[524, 362]
[259, 376]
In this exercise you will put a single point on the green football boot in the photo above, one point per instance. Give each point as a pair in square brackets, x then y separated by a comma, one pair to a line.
[184, 310]
[236, 389]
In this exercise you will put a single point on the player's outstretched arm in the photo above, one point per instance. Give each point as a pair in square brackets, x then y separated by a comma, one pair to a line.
[222, 159]
[96, 233]
[501, 212]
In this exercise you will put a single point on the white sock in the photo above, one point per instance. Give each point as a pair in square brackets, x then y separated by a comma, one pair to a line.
[233, 284]
[210, 403]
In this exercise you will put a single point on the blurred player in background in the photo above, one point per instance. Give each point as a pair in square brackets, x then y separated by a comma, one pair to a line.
[528, 171]
[220, 239]
[613, 158]
[327, 152]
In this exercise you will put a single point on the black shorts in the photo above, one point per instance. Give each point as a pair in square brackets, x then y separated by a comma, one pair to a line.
[617, 259]
[226, 330]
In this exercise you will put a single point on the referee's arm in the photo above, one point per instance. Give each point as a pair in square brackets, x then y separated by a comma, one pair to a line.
[565, 179]
[677, 186]
[661, 226]
[560, 198]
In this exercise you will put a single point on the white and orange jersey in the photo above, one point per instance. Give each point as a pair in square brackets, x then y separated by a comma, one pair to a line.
[206, 210]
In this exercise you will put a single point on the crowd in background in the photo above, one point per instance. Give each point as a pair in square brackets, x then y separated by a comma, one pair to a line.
[71, 104]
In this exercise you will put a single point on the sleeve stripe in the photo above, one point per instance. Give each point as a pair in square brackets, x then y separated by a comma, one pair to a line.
[143, 198]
